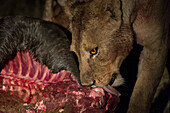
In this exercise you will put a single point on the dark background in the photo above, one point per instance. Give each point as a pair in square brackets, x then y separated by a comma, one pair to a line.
[32, 8]
[35, 8]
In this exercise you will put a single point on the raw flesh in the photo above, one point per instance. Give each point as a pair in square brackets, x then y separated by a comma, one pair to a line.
[44, 91]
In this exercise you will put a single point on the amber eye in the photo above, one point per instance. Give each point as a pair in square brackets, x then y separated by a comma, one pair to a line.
[94, 51]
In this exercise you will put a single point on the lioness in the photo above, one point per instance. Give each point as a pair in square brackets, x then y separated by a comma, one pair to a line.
[103, 33]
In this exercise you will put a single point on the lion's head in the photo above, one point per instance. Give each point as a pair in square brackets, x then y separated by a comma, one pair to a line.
[100, 39]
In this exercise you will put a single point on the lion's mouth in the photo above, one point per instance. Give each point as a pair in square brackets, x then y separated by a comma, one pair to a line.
[31, 81]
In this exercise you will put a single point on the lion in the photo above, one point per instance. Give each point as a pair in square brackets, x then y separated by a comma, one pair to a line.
[103, 33]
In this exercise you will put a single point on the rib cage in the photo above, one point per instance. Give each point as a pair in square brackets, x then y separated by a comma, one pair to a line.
[27, 77]
[24, 76]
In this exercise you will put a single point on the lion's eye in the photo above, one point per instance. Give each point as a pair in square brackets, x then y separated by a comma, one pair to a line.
[94, 51]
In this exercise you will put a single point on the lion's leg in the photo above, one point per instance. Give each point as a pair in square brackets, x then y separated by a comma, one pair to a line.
[150, 70]
[162, 94]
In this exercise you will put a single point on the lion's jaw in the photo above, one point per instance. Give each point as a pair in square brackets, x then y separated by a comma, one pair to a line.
[99, 28]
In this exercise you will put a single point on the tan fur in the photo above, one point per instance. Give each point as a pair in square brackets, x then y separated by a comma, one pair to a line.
[112, 26]
[93, 27]
[163, 85]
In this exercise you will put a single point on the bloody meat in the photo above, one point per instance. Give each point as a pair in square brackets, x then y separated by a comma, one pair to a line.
[37, 66]
[47, 91]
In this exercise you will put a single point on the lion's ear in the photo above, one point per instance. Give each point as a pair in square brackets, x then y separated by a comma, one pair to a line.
[129, 7]
[48, 10]
[55, 11]
[117, 9]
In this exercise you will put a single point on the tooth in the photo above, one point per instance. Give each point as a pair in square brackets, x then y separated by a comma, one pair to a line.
[93, 86]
